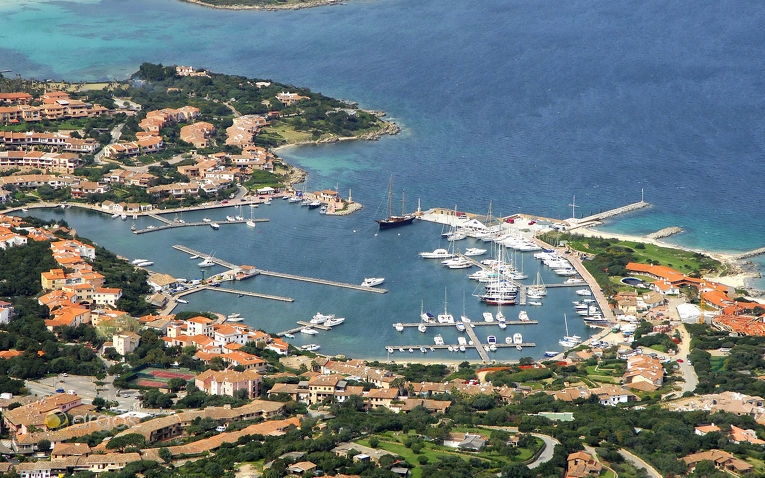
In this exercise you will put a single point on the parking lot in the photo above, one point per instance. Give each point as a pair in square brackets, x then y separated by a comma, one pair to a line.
[86, 388]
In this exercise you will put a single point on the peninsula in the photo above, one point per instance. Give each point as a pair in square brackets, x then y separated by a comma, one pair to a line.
[167, 137]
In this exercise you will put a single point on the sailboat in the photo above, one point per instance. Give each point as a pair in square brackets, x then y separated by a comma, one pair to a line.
[446, 317]
[250, 222]
[569, 341]
[395, 221]
[425, 316]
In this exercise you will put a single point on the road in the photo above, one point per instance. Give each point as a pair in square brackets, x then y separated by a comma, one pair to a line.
[145, 167]
[116, 134]
[84, 387]
[690, 379]
[638, 462]
[547, 452]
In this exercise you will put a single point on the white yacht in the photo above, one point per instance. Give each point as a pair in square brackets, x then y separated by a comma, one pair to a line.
[569, 341]
[460, 326]
[491, 339]
[207, 219]
[438, 340]
[474, 251]
[398, 326]
[487, 317]
[311, 347]
[523, 316]
[446, 317]
[573, 280]
[517, 338]
[372, 281]
[584, 292]
[508, 340]
[308, 331]
[461, 340]
[437, 254]
[319, 318]
[208, 262]
[135, 262]
[534, 302]
[333, 321]
[215, 225]
[422, 328]
[230, 218]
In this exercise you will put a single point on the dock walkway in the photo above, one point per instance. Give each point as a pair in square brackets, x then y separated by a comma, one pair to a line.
[281, 275]
[584, 221]
[159, 218]
[477, 344]
[249, 294]
[173, 225]
[438, 324]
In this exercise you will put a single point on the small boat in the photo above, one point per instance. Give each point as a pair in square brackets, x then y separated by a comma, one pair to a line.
[432, 349]
[235, 319]
[289, 336]
[181, 301]
[123, 217]
[308, 331]
[251, 223]
[573, 280]
[502, 325]
[517, 338]
[331, 322]
[323, 210]
[569, 341]
[312, 204]
[422, 328]
[207, 262]
[207, 219]
[549, 353]
[215, 225]
[151, 227]
[437, 254]
[500, 316]
[372, 281]
[401, 349]
[239, 218]
[508, 340]
[491, 339]
[24, 209]
[311, 347]
[135, 216]
[294, 199]
[492, 348]
[487, 317]
[534, 302]
[411, 350]
[230, 218]
[518, 348]
[584, 292]
[137, 261]
[450, 348]
[132, 228]
[194, 257]
[267, 202]
[398, 326]
[523, 316]
[474, 251]
[144, 264]
[423, 350]
[438, 340]
[462, 348]
[389, 349]
[460, 326]
[114, 216]
[461, 340]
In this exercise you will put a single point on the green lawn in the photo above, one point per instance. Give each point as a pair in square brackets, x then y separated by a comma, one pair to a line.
[717, 364]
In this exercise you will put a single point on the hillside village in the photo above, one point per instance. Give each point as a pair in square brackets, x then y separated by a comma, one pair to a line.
[205, 385]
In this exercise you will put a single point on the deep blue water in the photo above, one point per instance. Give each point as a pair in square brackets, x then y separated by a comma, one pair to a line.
[522, 102]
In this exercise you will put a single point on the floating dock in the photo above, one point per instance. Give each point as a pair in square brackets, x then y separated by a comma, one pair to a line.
[437, 324]
[248, 293]
[173, 225]
[281, 275]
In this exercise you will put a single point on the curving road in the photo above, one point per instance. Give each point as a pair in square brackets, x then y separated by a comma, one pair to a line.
[547, 451]
[638, 462]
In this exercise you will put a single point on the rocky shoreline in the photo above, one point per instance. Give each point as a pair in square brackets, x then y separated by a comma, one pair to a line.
[309, 4]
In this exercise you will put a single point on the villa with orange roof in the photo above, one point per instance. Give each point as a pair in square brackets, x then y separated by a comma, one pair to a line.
[228, 382]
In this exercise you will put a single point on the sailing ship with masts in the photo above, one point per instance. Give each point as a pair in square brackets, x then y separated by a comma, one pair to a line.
[395, 221]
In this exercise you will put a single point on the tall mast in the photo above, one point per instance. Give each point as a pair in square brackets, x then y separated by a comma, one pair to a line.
[402, 202]
[390, 195]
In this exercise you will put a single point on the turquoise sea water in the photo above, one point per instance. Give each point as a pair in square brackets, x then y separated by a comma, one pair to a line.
[522, 102]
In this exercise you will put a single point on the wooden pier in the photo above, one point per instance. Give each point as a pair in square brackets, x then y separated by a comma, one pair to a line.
[281, 275]
[313, 326]
[159, 218]
[173, 225]
[248, 293]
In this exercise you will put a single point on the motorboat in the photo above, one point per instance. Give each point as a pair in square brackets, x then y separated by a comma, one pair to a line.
[492, 347]
[293, 199]
[208, 262]
[456, 236]
[267, 202]
[151, 227]
[502, 325]
[573, 280]
[123, 217]
[584, 292]
[323, 210]
[462, 348]
[487, 317]
[207, 219]
[372, 281]
[308, 331]
[461, 340]
[143, 264]
[251, 223]
[500, 316]
[215, 225]
[398, 326]
[422, 328]
[135, 262]
[114, 216]
[331, 322]
[389, 349]
[423, 350]
[534, 302]
[457, 263]
[437, 254]
[565, 272]
[181, 301]
[508, 340]
[230, 218]
[523, 316]
[549, 353]
[438, 340]
[311, 347]
[491, 339]
[411, 350]
[517, 338]
[289, 336]
[474, 251]
[313, 204]
[460, 326]
[401, 349]
[319, 318]
[239, 218]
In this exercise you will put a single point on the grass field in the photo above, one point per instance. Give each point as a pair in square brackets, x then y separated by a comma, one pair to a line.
[157, 377]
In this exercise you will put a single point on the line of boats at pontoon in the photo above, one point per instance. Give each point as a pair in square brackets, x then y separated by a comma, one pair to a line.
[326, 320]
[462, 344]
[307, 202]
